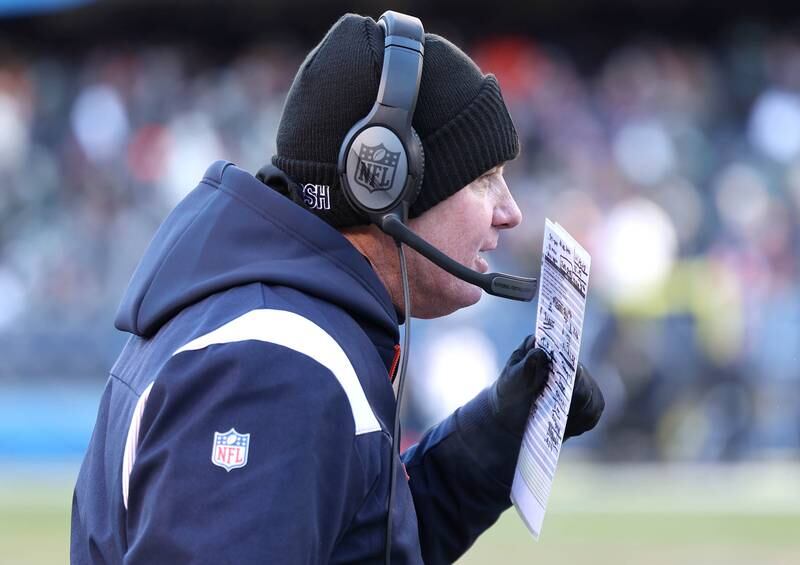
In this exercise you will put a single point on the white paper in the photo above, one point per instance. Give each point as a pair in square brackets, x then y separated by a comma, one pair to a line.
[559, 325]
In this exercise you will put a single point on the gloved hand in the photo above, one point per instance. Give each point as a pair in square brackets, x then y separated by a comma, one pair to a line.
[523, 379]
[587, 404]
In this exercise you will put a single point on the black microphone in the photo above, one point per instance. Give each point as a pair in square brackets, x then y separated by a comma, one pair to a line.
[497, 284]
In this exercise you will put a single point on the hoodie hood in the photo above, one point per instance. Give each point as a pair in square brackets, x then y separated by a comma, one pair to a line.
[232, 230]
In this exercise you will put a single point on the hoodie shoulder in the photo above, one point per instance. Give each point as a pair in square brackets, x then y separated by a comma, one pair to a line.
[296, 333]
[228, 424]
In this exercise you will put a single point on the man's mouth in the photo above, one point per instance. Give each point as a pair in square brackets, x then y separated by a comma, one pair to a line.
[481, 264]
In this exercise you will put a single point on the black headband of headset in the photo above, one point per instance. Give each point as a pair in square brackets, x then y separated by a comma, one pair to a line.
[402, 57]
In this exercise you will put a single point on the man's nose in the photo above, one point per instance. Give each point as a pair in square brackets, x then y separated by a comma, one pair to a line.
[507, 214]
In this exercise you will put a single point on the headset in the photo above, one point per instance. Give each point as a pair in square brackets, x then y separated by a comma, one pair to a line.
[381, 160]
[381, 166]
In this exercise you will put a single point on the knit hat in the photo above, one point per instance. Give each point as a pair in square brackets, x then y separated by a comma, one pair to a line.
[460, 117]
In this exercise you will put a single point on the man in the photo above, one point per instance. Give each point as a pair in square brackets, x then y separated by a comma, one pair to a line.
[249, 417]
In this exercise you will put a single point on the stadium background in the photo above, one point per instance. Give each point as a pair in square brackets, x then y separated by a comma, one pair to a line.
[665, 136]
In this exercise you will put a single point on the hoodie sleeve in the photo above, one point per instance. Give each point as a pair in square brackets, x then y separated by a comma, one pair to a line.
[460, 478]
[279, 490]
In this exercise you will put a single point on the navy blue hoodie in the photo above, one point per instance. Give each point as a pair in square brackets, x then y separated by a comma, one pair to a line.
[248, 418]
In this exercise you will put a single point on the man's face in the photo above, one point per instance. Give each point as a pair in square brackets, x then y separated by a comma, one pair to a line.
[464, 226]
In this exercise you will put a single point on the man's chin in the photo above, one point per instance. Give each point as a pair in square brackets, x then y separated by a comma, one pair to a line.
[465, 294]
[460, 296]
[474, 295]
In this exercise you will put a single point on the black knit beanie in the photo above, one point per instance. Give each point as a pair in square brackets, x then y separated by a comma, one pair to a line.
[460, 116]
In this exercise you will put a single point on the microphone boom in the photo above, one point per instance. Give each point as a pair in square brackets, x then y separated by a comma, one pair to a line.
[497, 284]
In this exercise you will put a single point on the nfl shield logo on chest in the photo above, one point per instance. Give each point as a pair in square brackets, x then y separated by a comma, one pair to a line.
[230, 449]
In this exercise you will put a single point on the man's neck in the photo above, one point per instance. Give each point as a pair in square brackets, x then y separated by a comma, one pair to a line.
[380, 251]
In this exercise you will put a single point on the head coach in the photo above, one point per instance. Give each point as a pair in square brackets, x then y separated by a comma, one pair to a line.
[251, 416]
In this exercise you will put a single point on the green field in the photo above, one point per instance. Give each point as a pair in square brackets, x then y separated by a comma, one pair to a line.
[643, 538]
[597, 515]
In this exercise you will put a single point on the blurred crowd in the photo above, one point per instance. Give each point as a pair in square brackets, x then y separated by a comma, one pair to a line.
[677, 166]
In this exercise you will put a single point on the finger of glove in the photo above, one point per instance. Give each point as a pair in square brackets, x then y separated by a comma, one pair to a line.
[526, 345]
[515, 390]
[587, 404]
[505, 385]
[526, 378]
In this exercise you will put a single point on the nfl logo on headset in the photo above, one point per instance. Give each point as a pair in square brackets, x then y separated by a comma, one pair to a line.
[376, 167]
[230, 449]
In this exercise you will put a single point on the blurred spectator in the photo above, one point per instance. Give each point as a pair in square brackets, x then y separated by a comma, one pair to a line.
[677, 167]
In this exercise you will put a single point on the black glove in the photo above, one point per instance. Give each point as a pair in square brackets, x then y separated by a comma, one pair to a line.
[522, 381]
[587, 404]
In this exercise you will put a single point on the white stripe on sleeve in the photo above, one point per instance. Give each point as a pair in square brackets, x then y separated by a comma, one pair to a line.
[132, 443]
[300, 334]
